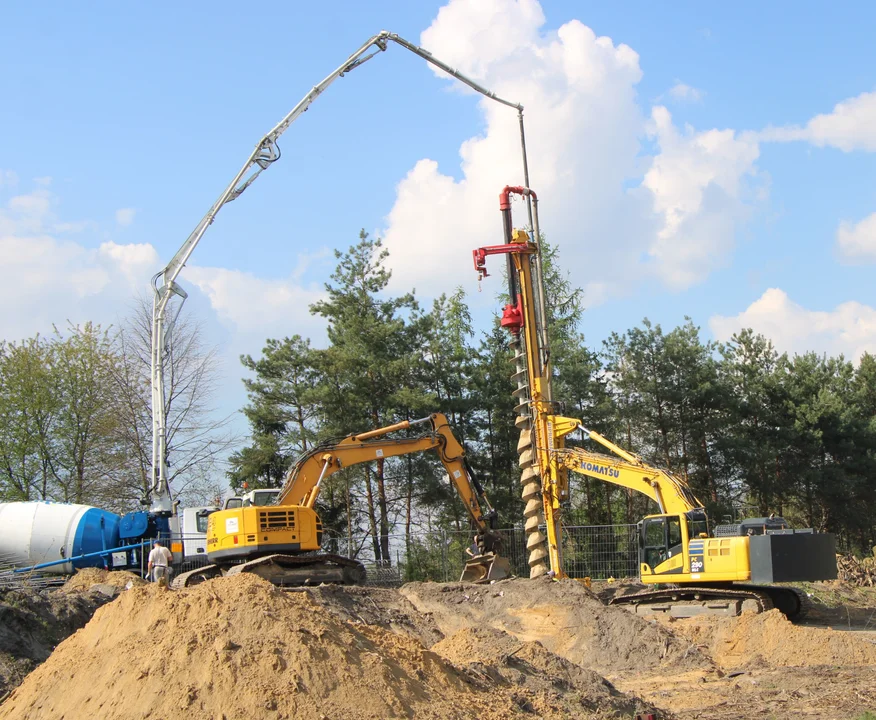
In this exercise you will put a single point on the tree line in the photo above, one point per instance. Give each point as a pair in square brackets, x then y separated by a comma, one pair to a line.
[752, 430]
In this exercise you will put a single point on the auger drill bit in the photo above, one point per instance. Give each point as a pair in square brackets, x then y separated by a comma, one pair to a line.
[530, 479]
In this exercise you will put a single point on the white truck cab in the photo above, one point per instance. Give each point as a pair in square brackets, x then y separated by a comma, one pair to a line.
[193, 529]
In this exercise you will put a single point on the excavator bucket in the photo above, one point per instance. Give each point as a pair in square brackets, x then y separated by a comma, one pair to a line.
[485, 568]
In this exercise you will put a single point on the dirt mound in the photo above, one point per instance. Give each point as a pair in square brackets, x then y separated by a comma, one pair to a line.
[384, 607]
[557, 686]
[238, 647]
[33, 622]
[87, 578]
[564, 616]
[770, 638]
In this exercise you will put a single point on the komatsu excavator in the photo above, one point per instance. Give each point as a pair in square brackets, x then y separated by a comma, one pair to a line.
[281, 542]
[675, 546]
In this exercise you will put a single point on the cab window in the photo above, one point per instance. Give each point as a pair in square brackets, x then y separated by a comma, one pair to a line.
[265, 498]
[655, 532]
[654, 551]
[201, 520]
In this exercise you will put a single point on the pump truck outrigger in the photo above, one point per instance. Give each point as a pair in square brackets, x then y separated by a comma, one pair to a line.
[282, 542]
[675, 546]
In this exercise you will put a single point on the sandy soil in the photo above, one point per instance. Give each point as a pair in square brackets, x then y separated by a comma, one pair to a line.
[33, 622]
[237, 647]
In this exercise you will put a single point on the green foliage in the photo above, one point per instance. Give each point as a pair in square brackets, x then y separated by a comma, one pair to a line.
[57, 416]
[280, 413]
[28, 407]
[75, 420]
[752, 431]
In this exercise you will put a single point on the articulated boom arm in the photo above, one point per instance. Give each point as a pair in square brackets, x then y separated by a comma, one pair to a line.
[303, 482]
[671, 494]
[266, 152]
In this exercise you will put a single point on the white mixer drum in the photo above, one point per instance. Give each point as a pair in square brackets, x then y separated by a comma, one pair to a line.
[38, 532]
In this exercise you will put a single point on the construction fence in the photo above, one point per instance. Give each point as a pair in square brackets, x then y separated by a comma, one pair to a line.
[595, 551]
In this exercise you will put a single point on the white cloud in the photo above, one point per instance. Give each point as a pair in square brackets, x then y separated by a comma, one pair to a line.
[125, 216]
[33, 205]
[584, 137]
[857, 241]
[137, 262]
[259, 306]
[685, 93]
[695, 185]
[850, 328]
[49, 280]
[851, 126]
[8, 178]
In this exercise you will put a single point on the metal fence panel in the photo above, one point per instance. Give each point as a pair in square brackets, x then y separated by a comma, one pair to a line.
[599, 552]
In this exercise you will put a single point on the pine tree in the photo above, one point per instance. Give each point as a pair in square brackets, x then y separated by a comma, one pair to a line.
[371, 373]
[281, 413]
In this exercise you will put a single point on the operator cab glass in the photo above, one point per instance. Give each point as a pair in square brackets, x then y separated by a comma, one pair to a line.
[654, 547]
[201, 519]
[266, 497]
[661, 539]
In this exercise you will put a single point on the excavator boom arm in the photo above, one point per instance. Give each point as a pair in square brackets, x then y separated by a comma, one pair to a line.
[671, 494]
[305, 478]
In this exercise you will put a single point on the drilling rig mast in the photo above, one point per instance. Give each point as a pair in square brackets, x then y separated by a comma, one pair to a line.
[544, 482]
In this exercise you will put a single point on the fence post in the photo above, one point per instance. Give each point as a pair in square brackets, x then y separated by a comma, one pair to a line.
[443, 555]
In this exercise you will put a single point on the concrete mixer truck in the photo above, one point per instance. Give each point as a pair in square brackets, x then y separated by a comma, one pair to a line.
[59, 538]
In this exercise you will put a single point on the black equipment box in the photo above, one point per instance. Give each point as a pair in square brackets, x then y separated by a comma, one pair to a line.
[792, 556]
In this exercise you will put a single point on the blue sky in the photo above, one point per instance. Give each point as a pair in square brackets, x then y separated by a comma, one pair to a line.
[713, 161]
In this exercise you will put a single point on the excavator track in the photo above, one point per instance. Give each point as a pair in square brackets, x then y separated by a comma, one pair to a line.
[691, 601]
[790, 601]
[196, 576]
[296, 570]
[284, 571]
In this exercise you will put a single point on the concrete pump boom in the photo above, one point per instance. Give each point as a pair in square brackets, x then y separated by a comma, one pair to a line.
[265, 154]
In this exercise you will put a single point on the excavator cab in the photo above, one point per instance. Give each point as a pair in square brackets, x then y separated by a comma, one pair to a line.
[661, 541]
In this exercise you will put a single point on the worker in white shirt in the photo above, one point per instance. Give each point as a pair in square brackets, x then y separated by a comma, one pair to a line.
[160, 559]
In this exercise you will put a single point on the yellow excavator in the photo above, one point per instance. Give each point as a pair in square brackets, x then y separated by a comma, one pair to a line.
[281, 542]
[704, 571]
